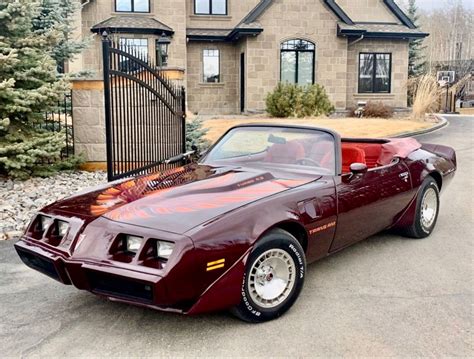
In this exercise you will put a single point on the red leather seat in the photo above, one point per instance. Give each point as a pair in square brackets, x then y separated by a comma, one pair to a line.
[323, 153]
[351, 154]
[372, 153]
[287, 153]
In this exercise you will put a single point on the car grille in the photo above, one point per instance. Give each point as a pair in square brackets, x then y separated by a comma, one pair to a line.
[42, 265]
[108, 284]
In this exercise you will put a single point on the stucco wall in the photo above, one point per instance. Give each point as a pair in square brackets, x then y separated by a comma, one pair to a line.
[213, 98]
[399, 50]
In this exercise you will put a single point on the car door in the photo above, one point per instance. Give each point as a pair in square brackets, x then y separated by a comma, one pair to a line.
[368, 203]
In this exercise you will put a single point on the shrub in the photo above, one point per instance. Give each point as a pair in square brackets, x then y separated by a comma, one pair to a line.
[195, 135]
[314, 102]
[377, 109]
[290, 100]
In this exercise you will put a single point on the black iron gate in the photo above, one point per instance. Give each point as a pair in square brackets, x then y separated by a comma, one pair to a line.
[144, 112]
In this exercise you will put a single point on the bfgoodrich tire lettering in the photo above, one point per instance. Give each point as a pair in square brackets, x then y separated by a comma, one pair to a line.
[427, 209]
[273, 277]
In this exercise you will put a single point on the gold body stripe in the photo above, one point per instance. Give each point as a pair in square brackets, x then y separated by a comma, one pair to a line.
[216, 262]
[215, 267]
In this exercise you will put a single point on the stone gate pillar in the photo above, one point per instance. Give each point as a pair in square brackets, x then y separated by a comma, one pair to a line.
[89, 121]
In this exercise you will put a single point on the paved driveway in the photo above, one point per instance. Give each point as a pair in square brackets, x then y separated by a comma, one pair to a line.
[385, 296]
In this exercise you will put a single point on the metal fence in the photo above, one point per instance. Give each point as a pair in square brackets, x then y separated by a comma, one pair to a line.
[144, 112]
[59, 119]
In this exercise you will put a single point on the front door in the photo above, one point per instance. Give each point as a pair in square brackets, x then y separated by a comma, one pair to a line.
[369, 203]
[242, 82]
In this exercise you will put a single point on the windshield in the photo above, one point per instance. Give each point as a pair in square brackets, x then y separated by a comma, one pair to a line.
[276, 146]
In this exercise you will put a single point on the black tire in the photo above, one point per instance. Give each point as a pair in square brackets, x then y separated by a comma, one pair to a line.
[250, 311]
[417, 229]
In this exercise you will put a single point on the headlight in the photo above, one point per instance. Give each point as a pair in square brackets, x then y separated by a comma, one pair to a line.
[164, 249]
[61, 228]
[133, 243]
[44, 222]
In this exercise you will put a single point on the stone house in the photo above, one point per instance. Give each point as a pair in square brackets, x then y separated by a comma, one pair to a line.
[230, 54]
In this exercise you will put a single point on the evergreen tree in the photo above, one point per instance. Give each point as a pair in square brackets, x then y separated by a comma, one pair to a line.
[28, 87]
[58, 16]
[416, 59]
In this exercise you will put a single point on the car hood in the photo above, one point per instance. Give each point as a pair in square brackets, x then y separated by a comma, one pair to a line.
[179, 199]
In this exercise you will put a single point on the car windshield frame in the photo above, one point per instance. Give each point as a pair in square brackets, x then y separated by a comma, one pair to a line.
[333, 136]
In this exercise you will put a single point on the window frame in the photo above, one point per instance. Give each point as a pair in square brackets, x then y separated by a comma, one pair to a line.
[218, 65]
[132, 2]
[210, 13]
[374, 73]
[297, 51]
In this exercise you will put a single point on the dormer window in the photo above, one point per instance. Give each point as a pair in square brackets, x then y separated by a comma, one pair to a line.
[210, 7]
[132, 5]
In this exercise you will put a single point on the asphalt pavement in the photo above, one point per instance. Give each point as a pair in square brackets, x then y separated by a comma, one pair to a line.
[385, 296]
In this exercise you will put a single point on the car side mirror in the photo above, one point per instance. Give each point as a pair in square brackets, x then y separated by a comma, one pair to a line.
[358, 168]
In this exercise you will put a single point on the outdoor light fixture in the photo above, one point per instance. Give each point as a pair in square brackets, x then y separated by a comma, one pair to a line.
[162, 45]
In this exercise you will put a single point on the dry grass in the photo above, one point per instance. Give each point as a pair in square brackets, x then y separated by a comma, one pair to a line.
[347, 127]
[426, 96]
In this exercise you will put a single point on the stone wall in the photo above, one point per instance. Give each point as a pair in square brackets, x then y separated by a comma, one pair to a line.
[213, 98]
[367, 10]
[304, 19]
[89, 120]
[171, 13]
[398, 94]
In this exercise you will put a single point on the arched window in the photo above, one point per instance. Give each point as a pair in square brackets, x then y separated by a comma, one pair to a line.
[297, 62]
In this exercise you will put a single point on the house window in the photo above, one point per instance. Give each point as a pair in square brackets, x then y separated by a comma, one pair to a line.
[132, 5]
[135, 47]
[211, 67]
[210, 7]
[297, 62]
[374, 72]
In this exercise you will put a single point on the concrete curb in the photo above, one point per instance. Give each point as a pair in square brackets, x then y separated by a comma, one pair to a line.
[443, 122]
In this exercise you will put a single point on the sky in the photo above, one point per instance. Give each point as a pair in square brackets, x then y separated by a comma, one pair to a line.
[438, 4]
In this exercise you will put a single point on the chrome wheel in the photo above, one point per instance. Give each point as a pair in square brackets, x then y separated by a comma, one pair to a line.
[429, 208]
[271, 278]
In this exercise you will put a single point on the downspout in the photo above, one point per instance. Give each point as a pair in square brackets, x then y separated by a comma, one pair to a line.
[357, 40]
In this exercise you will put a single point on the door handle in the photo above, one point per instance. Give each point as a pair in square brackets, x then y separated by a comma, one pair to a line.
[404, 176]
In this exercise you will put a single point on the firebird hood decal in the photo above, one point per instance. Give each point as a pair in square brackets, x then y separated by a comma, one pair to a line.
[187, 200]
[179, 199]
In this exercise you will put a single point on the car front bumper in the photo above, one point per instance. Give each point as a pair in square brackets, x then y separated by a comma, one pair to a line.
[106, 280]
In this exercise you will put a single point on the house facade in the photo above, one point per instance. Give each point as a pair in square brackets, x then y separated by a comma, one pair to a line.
[230, 54]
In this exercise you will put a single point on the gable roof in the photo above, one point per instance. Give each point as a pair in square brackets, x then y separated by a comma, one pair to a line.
[379, 30]
[247, 26]
[133, 24]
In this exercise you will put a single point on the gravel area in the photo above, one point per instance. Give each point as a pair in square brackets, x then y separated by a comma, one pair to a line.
[20, 200]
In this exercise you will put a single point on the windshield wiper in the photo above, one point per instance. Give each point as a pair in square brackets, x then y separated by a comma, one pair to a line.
[180, 157]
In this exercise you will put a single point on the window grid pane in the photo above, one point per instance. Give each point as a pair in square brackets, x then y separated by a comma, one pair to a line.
[219, 7]
[374, 72]
[211, 70]
[297, 61]
[123, 5]
[288, 67]
[202, 7]
[141, 6]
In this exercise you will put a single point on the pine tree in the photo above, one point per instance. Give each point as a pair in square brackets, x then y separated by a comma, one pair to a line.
[416, 59]
[58, 16]
[28, 87]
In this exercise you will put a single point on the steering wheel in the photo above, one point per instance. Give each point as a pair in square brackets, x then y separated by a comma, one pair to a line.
[305, 160]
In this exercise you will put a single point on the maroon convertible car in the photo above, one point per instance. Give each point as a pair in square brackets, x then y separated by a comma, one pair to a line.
[236, 229]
